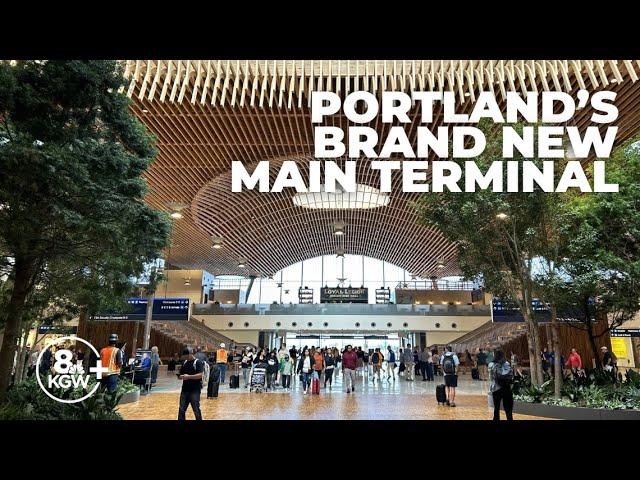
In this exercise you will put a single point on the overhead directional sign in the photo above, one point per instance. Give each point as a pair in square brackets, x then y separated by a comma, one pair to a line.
[625, 332]
[163, 309]
[508, 311]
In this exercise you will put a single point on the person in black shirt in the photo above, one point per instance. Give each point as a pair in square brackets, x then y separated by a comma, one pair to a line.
[191, 376]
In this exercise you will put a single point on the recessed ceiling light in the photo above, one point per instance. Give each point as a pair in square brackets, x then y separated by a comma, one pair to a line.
[176, 215]
[502, 216]
[144, 110]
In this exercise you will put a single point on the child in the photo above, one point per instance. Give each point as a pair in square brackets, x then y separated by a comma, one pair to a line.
[286, 367]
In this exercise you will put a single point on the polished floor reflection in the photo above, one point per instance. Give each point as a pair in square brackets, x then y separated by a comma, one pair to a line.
[385, 400]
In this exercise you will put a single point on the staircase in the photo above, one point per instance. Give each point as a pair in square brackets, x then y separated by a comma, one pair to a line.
[489, 336]
[196, 334]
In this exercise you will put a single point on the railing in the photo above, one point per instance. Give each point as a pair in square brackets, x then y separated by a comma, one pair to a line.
[443, 285]
[339, 309]
[489, 335]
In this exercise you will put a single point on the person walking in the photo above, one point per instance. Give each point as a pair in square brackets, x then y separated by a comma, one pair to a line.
[609, 361]
[111, 357]
[191, 376]
[468, 361]
[574, 363]
[481, 359]
[501, 378]
[273, 366]
[391, 364]
[376, 363]
[318, 364]
[329, 367]
[245, 365]
[409, 364]
[286, 368]
[221, 361]
[349, 365]
[435, 361]
[155, 364]
[450, 363]
[304, 369]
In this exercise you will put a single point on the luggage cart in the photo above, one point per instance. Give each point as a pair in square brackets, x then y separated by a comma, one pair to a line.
[258, 379]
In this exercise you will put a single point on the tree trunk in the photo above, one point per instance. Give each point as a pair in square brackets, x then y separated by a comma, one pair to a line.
[147, 322]
[555, 344]
[594, 347]
[535, 362]
[22, 347]
[24, 271]
[532, 355]
[134, 342]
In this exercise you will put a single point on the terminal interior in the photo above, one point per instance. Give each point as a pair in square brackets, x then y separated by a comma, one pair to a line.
[254, 265]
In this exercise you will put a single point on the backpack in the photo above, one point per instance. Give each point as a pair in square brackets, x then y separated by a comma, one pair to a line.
[206, 369]
[504, 374]
[392, 356]
[449, 365]
[375, 358]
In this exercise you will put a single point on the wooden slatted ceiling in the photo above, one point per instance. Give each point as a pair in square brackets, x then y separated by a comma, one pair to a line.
[206, 114]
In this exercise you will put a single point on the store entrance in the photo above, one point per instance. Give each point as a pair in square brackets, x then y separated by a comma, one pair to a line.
[341, 340]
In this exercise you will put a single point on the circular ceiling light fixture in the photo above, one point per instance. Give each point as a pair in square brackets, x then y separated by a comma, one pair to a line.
[365, 197]
[217, 242]
[441, 264]
[242, 263]
[176, 208]
[338, 228]
[502, 216]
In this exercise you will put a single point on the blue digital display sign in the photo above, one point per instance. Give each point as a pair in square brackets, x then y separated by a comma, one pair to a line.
[509, 311]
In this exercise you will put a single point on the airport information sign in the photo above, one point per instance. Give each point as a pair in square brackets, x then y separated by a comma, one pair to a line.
[344, 295]
[163, 309]
[625, 332]
[503, 310]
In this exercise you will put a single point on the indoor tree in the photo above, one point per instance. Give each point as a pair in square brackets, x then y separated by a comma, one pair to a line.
[601, 255]
[72, 157]
[498, 235]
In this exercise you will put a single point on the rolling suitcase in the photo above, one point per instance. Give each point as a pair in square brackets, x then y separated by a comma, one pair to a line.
[475, 374]
[441, 394]
[315, 387]
[212, 389]
[234, 381]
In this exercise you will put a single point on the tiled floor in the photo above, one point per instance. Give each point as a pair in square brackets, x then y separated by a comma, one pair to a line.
[399, 400]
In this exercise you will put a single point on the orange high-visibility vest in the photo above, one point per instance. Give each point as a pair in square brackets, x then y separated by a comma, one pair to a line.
[221, 356]
[109, 359]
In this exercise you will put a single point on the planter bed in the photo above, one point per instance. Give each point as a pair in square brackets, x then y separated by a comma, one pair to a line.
[130, 397]
[573, 413]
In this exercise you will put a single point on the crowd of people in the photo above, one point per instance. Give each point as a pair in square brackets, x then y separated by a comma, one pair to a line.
[327, 363]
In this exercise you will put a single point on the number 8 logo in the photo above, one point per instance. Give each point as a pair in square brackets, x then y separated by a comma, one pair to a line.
[63, 361]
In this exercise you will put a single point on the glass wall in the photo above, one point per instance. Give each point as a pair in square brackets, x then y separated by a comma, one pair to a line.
[332, 271]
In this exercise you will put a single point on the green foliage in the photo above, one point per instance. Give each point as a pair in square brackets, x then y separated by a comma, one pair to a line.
[73, 215]
[596, 389]
[26, 401]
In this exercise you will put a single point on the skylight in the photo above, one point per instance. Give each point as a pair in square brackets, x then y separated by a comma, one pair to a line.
[363, 198]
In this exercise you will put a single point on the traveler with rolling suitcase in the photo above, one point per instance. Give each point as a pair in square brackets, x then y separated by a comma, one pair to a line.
[450, 363]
